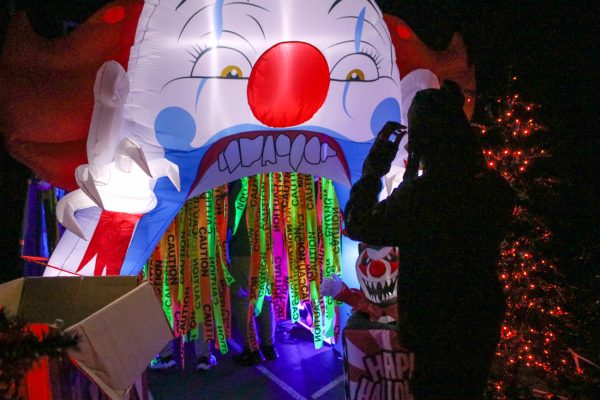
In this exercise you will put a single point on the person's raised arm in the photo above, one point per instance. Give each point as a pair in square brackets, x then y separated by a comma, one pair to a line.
[365, 219]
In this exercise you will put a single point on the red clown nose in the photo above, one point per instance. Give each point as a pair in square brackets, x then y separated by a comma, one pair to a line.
[377, 268]
[288, 84]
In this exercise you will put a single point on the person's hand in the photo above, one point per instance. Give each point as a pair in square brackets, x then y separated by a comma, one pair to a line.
[384, 149]
[332, 286]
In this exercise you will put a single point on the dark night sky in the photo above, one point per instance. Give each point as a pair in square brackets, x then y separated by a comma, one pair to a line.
[552, 46]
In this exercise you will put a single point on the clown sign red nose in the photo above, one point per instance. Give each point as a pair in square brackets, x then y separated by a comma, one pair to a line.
[377, 268]
[288, 84]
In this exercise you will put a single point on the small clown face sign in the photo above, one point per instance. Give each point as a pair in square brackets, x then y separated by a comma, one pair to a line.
[377, 273]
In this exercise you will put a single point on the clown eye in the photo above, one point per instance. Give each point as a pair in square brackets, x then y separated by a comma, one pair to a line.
[363, 268]
[355, 75]
[355, 67]
[232, 71]
[220, 62]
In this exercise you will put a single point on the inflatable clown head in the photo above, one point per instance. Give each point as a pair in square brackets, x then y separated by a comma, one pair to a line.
[188, 94]
[218, 90]
[260, 86]
[377, 273]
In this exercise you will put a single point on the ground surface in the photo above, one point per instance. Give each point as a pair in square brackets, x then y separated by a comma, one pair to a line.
[301, 372]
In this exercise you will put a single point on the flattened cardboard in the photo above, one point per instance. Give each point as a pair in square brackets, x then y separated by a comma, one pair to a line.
[120, 342]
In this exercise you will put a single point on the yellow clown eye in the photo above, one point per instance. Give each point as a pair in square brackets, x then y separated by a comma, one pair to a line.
[355, 75]
[231, 71]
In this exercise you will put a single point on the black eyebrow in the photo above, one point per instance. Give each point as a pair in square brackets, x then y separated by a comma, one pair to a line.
[205, 7]
[351, 41]
[336, 2]
[259, 25]
[191, 17]
[247, 3]
[242, 37]
[370, 24]
[375, 8]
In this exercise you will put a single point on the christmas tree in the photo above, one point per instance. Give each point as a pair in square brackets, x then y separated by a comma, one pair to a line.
[533, 357]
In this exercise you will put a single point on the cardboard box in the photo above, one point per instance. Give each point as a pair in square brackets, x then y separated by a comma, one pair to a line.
[121, 325]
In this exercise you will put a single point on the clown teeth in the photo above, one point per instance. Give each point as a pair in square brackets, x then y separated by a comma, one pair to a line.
[283, 145]
[327, 152]
[236, 156]
[313, 151]
[245, 152]
[222, 162]
[269, 152]
[297, 151]
[252, 150]
[232, 155]
[380, 291]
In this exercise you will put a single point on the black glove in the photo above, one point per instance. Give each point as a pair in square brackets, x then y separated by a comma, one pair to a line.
[384, 149]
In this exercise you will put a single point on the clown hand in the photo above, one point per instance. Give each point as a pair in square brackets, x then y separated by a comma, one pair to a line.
[332, 286]
[124, 185]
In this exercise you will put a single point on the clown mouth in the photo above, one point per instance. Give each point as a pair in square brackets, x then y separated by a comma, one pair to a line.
[253, 152]
[381, 291]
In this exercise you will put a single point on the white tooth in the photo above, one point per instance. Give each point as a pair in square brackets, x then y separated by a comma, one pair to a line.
[222, 162]
[251, 150]
[283, 145]
[232, 155]
[312, 151]
[297, 151]
[268, 155]
[327, 152]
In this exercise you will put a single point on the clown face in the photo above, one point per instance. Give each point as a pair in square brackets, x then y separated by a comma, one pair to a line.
[377, 272]
[261, 86]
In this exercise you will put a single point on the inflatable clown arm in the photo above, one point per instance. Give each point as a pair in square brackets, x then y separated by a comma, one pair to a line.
[114, 165]
[103, 147]
[103, 185]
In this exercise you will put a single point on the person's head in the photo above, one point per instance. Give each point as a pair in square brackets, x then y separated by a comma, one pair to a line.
[440, 135]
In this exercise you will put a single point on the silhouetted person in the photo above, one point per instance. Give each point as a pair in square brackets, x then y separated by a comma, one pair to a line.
[448, 224]
[239, 267]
